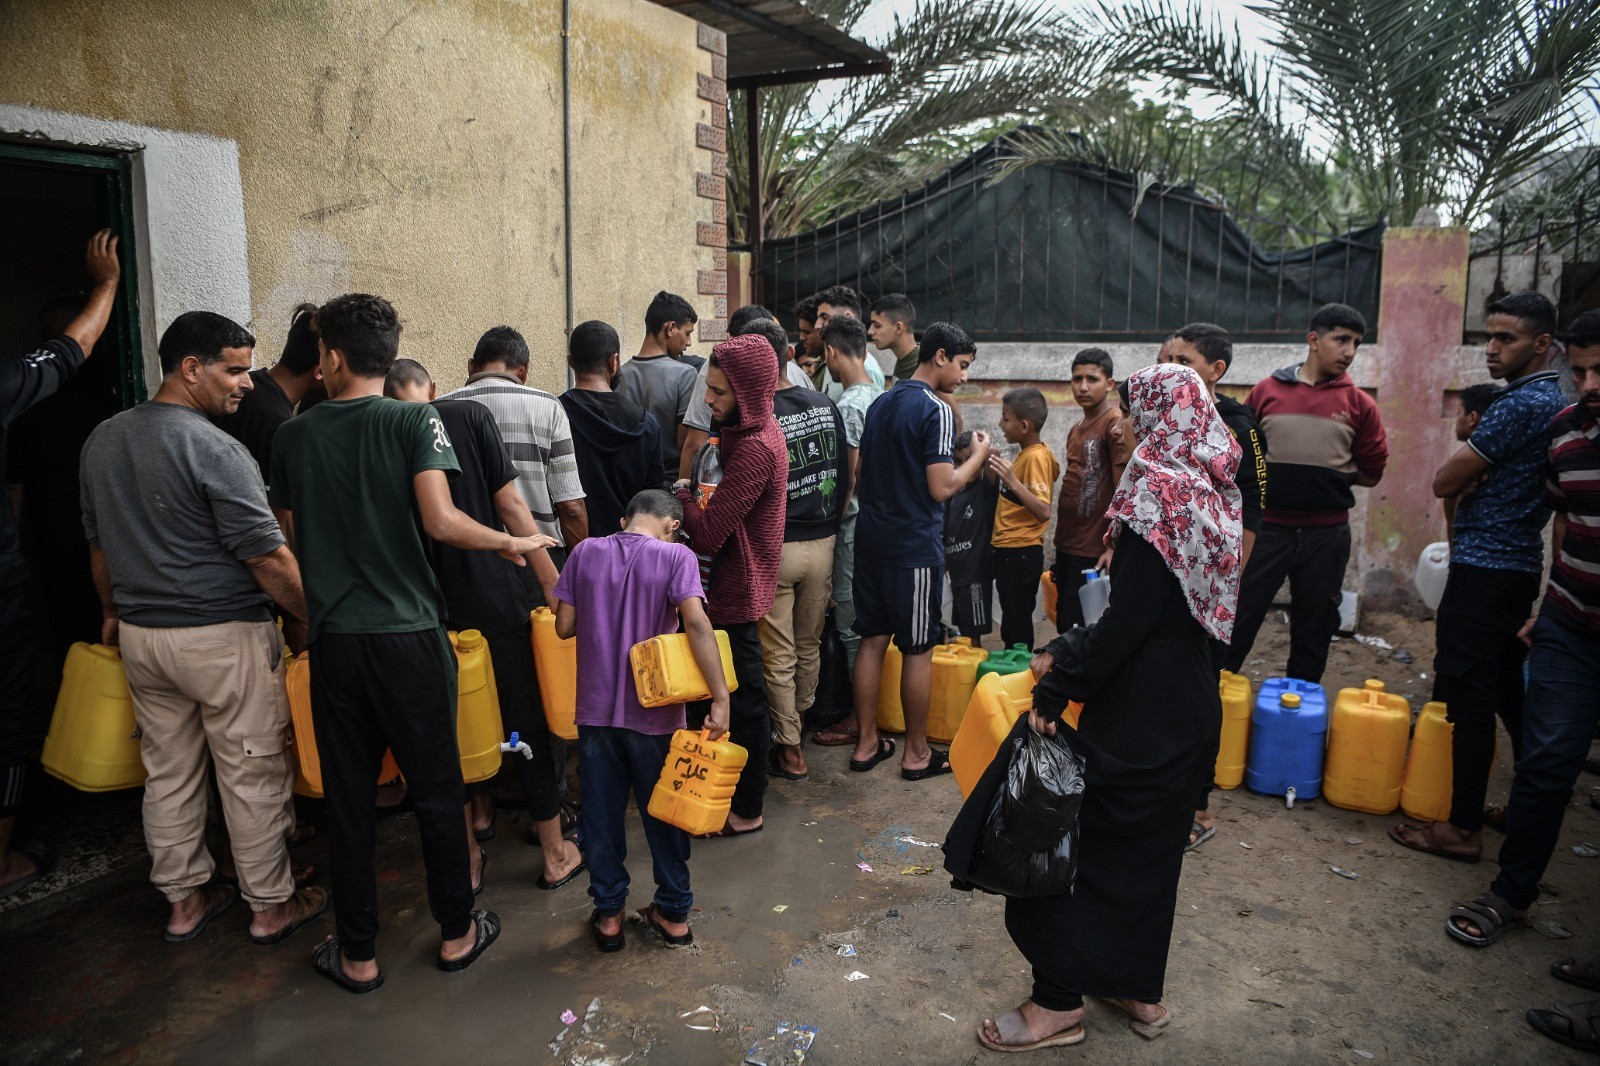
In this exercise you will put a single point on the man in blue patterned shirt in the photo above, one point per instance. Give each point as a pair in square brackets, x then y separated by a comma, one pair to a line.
[1497, 555]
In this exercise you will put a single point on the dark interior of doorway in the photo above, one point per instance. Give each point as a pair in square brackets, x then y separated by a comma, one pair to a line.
[51, 201]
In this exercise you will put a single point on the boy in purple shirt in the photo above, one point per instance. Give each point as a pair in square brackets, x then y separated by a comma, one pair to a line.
[615, 592]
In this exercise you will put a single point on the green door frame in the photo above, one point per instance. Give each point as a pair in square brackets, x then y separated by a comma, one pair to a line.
[116, 171]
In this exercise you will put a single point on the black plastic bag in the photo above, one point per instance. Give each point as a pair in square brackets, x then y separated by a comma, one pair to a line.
[834, 698]
[1029, 845]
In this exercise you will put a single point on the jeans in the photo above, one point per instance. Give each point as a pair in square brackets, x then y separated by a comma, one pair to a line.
[1559, 720]
[612, 763]
[1479, 669]
[1016, 578]
[1313, 558]
[749, 718]
[844, 573]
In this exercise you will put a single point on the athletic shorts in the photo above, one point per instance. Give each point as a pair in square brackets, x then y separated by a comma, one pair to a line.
[970, 606]
[900, 602]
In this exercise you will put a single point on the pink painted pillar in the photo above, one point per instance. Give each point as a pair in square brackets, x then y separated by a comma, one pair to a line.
[1421, 309]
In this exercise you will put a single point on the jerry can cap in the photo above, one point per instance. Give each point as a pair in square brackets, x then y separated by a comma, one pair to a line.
[469, 640]
[1373, 684]
[1290, 700]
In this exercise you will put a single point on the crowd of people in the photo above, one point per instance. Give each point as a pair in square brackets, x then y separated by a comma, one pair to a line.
[780, 494]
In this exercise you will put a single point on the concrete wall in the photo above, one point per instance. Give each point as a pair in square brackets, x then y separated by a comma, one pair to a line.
[406, 148]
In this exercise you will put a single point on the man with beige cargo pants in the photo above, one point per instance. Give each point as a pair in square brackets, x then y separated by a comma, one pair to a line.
[188, 558]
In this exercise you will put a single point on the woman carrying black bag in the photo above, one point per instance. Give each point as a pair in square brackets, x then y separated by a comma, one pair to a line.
[1150, 721]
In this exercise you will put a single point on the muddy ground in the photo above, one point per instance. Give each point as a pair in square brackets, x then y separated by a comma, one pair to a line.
[1274, 958]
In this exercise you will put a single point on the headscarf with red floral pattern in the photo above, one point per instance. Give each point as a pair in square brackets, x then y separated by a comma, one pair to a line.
[1178, 491]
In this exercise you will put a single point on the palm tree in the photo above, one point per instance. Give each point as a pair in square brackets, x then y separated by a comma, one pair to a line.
[959, 66]
[1454, 103]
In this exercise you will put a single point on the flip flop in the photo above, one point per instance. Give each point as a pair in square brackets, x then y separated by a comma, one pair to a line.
[284, 933]
[44, 861]
[1585, 973]
[1012, 1026]
[650, 914]
[1148, 1030]
[228, 896]
[837, 735]
[328, 960]
[775, 769]
[550, 886]
[938, 763]
[1201, 834]
[607, 944]
[487, 924]
[1489, 913]
[885, 750]
[1432, 847]
[728, 830]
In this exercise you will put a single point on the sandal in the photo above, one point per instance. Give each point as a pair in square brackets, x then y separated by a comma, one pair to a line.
[1014, 1034]
[229, 894]
[607, 944]
[775, 769]
[1199, 834]
[1148, 1030]
[838, 734]
[570, 814]
[938, 763]
[1430, 844]
[1573, 1025]
[546, 885]
[305, 916]
[728, 830]
[650, 915]
[1494, 816]
[487, 924]
[1585, 973]
[885, 750]
[328, 960]
[44, 861]
[1489, 913]
[483, 867]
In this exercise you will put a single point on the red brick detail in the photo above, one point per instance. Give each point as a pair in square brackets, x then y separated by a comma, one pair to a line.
[711, 187]
[713, 329]
[719, 164]
[710, 137]
[708, 88]
[719, 212]
[712, 40]
[711, 282]
[719, 261]
[719, 117]
[719, 67]
[710, 235]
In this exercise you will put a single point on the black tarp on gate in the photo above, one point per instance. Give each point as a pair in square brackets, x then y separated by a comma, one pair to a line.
[1053, 252]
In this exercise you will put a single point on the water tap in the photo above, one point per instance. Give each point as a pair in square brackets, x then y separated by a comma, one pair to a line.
[1288, 797]
[518, 745]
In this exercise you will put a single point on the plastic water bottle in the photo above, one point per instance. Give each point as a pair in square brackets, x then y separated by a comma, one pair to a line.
[1094, 596]
[710, 473]
[1433, 570]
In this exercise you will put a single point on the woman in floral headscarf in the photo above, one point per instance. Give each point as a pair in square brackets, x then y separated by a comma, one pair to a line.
[1150, 720]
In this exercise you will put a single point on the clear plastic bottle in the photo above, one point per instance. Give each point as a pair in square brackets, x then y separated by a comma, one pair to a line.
[709, 473]
[1094, 596]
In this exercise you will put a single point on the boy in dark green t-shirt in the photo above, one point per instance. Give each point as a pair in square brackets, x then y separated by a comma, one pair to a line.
[359, 482]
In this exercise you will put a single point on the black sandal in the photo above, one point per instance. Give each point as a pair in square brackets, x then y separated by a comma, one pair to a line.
[1585, 973]
[938, 763]
[650, 914]
[487, 924]
[1491, 914]
[288, 930]
[228, 896]
[885, 750]
[1581, 1022]
[328, 960]
[607, 944]
[545, 885]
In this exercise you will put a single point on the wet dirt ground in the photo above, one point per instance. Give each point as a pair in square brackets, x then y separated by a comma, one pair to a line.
[1274, 957]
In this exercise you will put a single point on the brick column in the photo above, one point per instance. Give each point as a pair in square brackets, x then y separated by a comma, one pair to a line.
[1421, 308]
[713, 186]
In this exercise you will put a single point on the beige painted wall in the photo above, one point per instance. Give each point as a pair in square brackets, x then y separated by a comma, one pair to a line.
[411, 149]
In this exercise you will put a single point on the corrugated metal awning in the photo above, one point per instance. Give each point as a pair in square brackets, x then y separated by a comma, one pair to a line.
[779, 42]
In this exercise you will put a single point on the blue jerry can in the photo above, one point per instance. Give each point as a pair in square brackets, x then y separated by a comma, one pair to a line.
[1288, 737]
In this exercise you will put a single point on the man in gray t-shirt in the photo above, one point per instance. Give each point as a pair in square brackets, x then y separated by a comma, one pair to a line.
[188, 560]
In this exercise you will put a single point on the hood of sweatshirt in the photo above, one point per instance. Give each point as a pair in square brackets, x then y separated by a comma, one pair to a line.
[1291, 374]
[599, 433]
[752, 370]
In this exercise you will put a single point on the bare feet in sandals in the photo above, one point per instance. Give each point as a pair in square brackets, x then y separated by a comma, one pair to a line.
[1148, 1019]
[1441, 839]
[1030, 1027]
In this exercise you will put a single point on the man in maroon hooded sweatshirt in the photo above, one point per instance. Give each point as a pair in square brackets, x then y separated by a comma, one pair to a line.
[740, 530]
